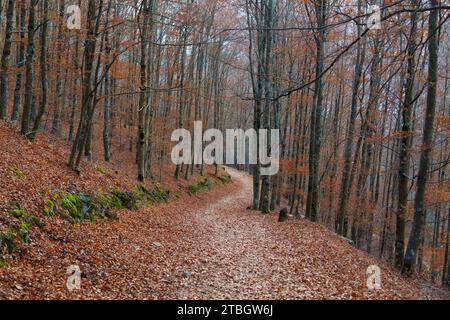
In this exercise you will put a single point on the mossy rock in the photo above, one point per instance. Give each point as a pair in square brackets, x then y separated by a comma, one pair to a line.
[73, 206]
[128, 200]
[157, 194]
[199, 186]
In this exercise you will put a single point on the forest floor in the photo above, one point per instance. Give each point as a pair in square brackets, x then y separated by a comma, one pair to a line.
[207, 246]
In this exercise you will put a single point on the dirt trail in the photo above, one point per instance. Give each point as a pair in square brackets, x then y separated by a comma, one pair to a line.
[205, 247]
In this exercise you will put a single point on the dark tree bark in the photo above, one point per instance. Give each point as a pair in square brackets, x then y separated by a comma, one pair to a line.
[342, 217]
[415, 239]
[312, 206]
[406, 141]
[4, 64]
[87, 107]
[29, 73]
[21, 24]
[44, 72]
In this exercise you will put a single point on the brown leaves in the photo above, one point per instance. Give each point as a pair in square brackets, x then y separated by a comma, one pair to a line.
[202, 247]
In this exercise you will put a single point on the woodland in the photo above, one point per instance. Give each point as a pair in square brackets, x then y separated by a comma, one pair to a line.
[91, 91]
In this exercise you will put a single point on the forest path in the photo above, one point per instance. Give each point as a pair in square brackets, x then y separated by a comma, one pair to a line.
[202, 247]
[239, 254]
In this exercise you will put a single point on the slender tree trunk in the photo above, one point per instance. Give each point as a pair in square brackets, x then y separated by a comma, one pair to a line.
[56, 121]
[406, 142]
[446, 268]
[5, 61]
[87, 106]
[268, 89]
[342, 217]
[21, 24]
[312, 207]
[26, 118]
[143, 103]
[44, 72]
[428, 132]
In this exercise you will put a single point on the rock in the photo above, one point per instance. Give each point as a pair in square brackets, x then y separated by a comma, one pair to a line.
[187, 274]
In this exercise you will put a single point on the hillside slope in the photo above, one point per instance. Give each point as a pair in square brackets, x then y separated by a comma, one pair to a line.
[204, 246]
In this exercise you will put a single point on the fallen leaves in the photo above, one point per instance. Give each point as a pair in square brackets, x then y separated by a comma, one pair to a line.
[206, 246]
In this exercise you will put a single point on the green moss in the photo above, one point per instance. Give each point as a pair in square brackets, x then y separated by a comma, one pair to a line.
[3, 264]
[80, 206]
[72, 206]
[141, 193]
[7, 243]
[50, 209]
[224, 179]
[199, 186]
[22, 215]
[160, 194]
[128, 200]
[157, 194]
[100, 169]
[23, 231]
[18, 172]
[105, 206]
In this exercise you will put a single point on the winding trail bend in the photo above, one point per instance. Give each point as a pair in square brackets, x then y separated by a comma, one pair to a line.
[204, 247]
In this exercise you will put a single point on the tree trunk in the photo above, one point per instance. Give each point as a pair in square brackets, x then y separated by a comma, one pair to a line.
[312, 207]
[342, 217]
[21, 25]
[428, 132]
[4, 65]
[406, 142]
[44, 72]
[29, 73]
